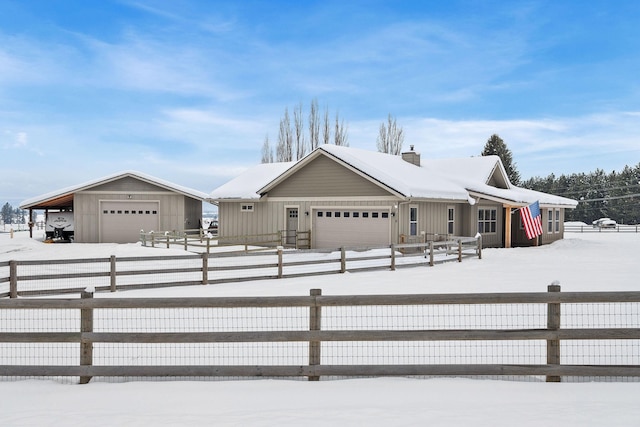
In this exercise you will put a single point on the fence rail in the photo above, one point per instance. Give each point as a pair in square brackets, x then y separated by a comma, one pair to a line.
[550, 334]
[619, 228]
[49, 277]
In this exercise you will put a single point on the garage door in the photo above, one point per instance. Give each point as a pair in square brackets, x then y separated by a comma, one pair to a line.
[121, 222]
[351, 227]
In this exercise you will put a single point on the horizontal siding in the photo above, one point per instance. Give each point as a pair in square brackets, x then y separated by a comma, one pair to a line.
[127, 184]
[324, 177]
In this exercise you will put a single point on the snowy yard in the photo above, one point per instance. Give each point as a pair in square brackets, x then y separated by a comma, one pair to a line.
[581, 262]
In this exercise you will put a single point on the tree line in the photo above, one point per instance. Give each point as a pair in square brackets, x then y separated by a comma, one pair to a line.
[614, 195]
[11, 215]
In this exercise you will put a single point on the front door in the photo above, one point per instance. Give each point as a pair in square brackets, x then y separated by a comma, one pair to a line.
[292, 226]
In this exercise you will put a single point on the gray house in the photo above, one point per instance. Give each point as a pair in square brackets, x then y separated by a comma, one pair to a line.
[114, 209]
[345, 196]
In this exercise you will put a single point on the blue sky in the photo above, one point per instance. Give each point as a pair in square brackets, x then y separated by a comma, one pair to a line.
[187, 90]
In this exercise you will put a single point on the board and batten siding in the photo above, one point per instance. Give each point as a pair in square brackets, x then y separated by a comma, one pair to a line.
[323, 177]
[87, 211]
[432, 218]
[269, 216]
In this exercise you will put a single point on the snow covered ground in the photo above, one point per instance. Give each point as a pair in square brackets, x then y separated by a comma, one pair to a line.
[597, 261]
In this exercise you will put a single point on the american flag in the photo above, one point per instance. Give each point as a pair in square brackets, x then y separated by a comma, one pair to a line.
[532, 220]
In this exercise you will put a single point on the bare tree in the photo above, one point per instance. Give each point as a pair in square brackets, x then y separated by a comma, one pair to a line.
[391, 137]
[284, 150]
[326, 127]
[298, 127]
[340, 133]
[314, 125]
[267, 152]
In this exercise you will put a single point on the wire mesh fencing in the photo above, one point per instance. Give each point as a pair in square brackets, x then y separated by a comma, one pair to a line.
[552, 336]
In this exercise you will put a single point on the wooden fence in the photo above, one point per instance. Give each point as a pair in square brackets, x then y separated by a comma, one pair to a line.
[313, 328]
[619, 228]
[48, 277]
[200, 240]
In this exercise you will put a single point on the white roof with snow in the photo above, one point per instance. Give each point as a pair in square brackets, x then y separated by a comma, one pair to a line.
[445, 179]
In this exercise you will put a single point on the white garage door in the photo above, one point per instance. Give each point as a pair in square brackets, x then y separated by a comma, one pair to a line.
[121, 222]
[351, 227]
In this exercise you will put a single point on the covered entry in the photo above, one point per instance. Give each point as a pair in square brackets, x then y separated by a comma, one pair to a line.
[121, 221]
[337, 227]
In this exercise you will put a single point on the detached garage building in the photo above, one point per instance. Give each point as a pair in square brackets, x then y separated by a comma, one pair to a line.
[114, 209]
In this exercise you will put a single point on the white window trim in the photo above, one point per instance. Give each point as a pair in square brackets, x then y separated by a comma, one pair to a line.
[416, 221]
[485, 221]
[247, 207]
[451, 221]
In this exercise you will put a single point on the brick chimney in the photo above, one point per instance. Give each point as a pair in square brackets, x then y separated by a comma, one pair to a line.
[411, 156]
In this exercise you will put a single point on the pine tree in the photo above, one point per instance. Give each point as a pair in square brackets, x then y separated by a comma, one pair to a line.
[496, 146]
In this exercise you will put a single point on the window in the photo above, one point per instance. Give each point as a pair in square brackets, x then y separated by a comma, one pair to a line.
[246, 207]
[385, 214]
[328, 214]
[319, 214]
[336, 214]
[413, 221]
[550, 221]
[346, 214]
[557, 230]
[356, 214]
[451, 215]
[487, 220]
[374, 214]
[365, 214]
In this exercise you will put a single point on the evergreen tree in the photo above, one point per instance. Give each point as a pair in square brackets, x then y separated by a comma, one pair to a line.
[496, 146]
[7, 213]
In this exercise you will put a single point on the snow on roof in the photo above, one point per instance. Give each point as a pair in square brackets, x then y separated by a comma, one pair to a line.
[142, 176]
[449, 179]
[398, 174]
[247, 184]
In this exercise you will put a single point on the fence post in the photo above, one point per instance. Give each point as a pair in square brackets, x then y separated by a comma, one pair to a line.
[431, 253]
[86, 325]
[343, 260]
[168, 239]
[205, 268]
[13, 279]
[186, 246]
[153, 239]
[208, 244]
[393, 257]
[315, 323]
[553, 323]
[479, 243]
[279, 248]
[112, 273]
[459, 250]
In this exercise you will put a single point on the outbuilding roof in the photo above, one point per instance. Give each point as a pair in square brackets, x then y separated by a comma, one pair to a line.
[63, 198]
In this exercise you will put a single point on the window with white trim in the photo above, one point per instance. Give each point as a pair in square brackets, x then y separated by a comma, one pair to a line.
[247, 207]
[487, 221]
[550, 221]
[451, 215]
[413, 221]
[557, 220]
